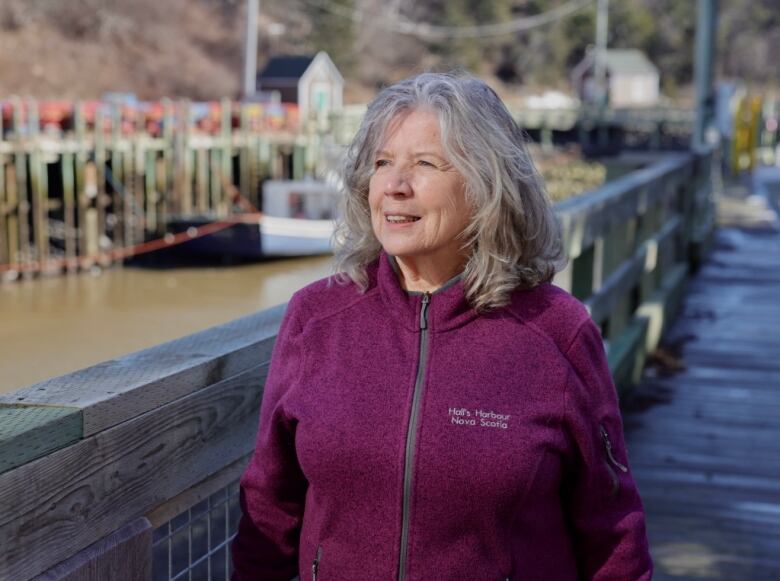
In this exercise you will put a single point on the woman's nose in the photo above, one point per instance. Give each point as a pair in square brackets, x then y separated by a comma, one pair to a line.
[397, 182]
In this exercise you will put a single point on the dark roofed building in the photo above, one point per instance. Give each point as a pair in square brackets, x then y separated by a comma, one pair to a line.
[311, 81]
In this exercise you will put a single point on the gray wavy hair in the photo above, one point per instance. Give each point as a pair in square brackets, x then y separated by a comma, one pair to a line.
[513, 239]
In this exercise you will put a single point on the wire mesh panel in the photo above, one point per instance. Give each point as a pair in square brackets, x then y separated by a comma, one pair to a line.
[195, 545]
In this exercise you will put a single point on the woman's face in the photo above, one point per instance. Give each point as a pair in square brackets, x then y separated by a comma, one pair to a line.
[417, 198]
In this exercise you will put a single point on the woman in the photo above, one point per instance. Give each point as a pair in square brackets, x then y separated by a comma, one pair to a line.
[445, 412]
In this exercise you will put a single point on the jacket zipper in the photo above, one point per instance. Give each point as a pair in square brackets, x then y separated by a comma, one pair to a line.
[316, 564]
[608, 446]
[411, 433]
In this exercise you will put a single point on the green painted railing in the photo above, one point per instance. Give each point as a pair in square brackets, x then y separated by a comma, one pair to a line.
[631, 244]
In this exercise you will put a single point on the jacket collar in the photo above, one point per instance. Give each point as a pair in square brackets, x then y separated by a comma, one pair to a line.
[447, 308]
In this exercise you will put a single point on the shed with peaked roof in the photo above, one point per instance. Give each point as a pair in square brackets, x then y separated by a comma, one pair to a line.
[632, 80]
[311, 81]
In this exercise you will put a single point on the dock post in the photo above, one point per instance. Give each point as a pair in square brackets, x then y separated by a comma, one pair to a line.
[168, 182]
[120, 202]
[163, 187]
[38, 189]
[298, 153]
[12, 219]
[82, 200]
[244, 158]
[4, 208]
[201, 179]
[187, 159]
[91, 224]
[68, 186]
[227, 150]
[20, 163]
[217, 191]
[100, 180]
[150, 187]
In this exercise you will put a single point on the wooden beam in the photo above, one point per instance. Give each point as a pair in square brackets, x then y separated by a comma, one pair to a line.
[586, 218]
[192, 496]
[619, 284]
[125, 555]
[626, 355]
[56, 506]
[29, 432]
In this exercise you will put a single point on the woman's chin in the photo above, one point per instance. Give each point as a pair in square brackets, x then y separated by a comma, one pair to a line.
[402, 250]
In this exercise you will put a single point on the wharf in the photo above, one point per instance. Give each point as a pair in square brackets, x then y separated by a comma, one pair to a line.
[704, 443]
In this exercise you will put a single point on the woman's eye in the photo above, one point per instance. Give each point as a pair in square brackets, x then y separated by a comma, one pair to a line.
[425, 163]
[381, 163]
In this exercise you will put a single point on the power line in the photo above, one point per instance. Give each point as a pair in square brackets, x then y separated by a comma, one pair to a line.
[436, 32]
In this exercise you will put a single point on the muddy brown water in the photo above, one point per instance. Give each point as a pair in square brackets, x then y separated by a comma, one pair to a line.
[52, 326]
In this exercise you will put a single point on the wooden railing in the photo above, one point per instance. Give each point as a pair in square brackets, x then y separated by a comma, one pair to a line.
[631, 244]
[93, 462]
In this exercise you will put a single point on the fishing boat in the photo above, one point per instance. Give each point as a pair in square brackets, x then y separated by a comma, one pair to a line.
[295, 218]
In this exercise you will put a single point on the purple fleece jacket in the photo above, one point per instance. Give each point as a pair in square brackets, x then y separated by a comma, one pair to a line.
[509, 463]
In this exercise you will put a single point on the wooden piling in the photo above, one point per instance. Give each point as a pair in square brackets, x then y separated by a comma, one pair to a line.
[39, 197]
[215, 170]
[4, 209]
[244, 155]
[118, 189]
[202, 180]
[69, 210]
[138, 145]
[39, 190]
[12, 219]
[82, 199]
[116, 158]
[101, 200]
[226, 154]
[166, 176]
[150, 188]
[186, 160]
[20, 161]
[91, 224]
[299, 161]
[163, 184]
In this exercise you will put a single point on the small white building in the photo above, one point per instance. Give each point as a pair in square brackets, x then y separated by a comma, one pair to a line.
[312, 82]
[632, 80]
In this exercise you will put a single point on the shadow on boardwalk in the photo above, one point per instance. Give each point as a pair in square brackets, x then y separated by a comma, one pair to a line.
[704, 443]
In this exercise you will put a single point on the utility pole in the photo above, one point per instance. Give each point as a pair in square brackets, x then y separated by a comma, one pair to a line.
[250, 52]
[704, 61]
[600, 64]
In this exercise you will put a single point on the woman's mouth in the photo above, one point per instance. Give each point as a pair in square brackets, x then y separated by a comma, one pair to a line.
[401, 218]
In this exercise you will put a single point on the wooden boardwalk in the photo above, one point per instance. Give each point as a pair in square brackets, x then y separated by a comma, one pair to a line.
[704, 443]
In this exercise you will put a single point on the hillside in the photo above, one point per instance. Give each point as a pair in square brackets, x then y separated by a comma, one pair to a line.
[82, 48]
[193, 48]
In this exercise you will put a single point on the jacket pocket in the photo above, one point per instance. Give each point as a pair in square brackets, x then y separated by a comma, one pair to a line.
[315, 565]
[610, 461]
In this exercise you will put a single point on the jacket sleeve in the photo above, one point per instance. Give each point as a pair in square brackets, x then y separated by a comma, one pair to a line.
[599, 493]
[273, 488]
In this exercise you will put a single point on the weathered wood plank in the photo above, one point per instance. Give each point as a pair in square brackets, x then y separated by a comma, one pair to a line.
[121, 389]
[586, 218]
[704, 444]
[29, 432]
[56, 506]
[125, 555]
[192, 496]
[623, 278]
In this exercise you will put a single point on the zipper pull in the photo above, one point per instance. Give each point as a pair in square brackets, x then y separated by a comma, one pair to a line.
[608, 446]
[316, 564]
[426, 299]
